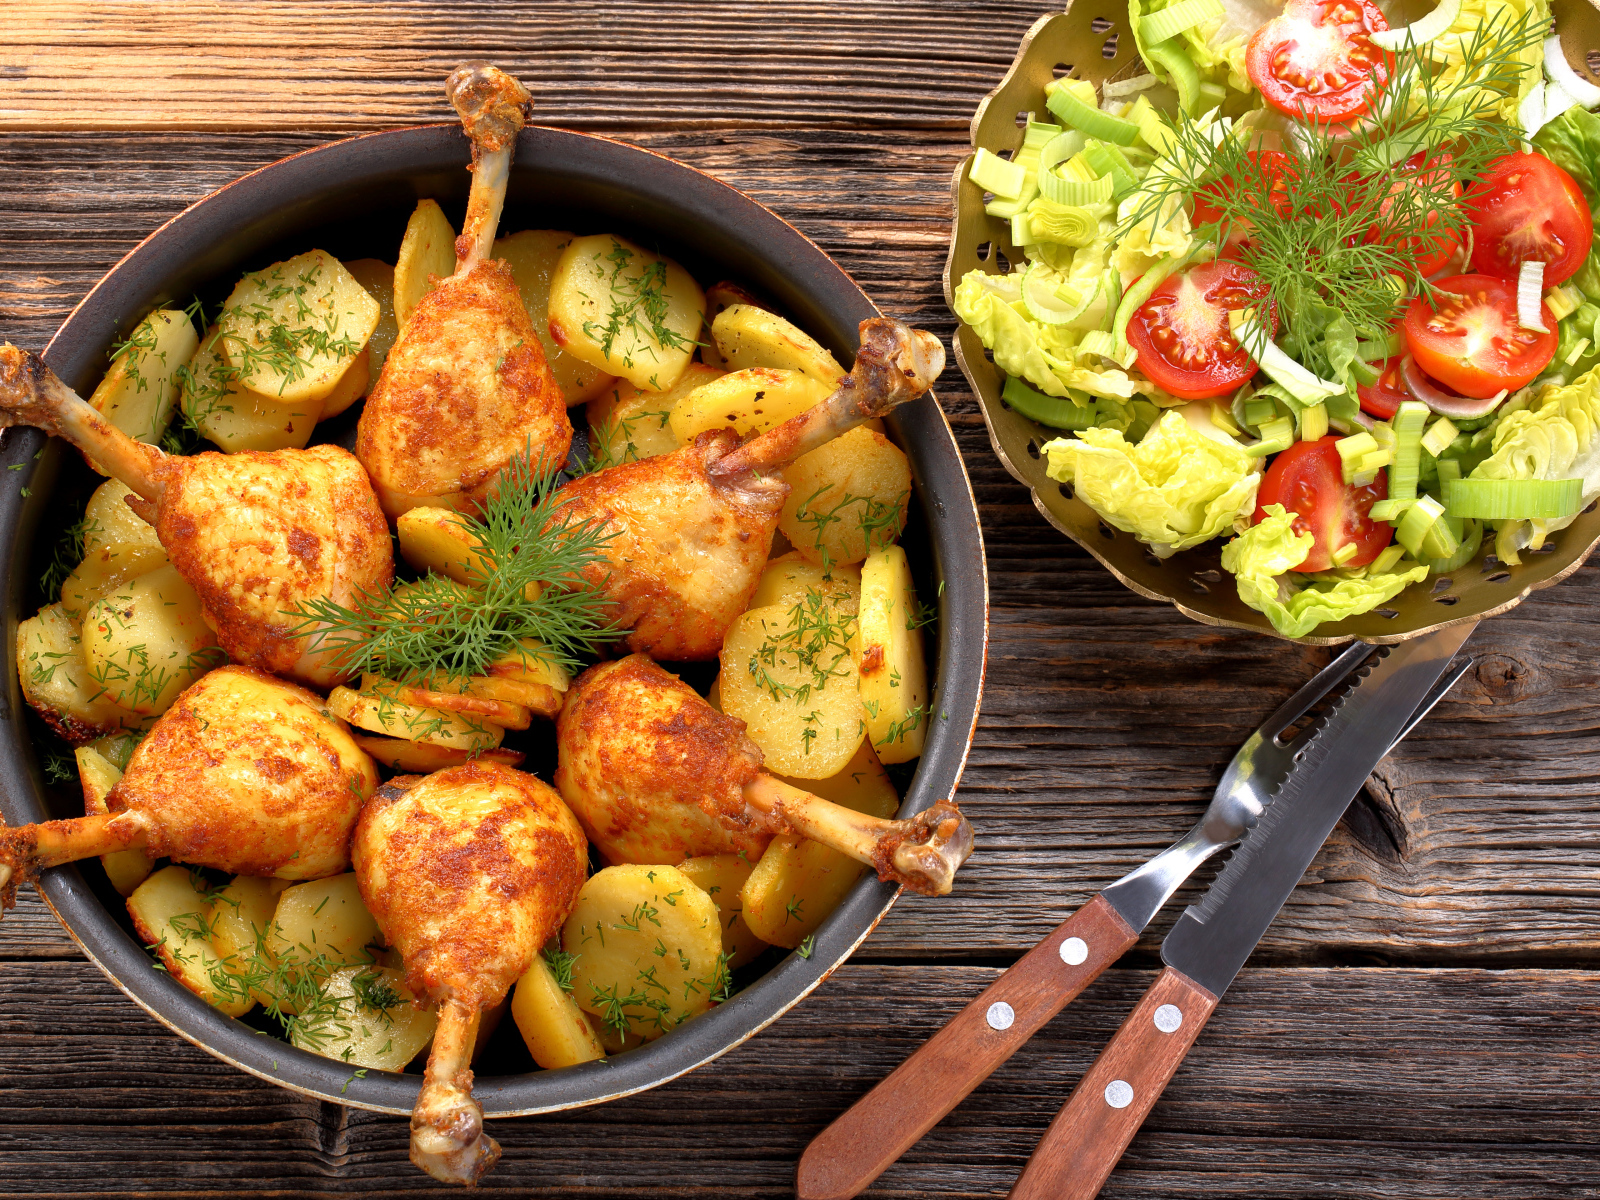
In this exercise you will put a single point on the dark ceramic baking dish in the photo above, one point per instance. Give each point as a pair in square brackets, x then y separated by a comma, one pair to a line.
[352, 199]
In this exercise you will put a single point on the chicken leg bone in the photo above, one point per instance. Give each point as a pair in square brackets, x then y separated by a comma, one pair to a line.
[447, 1137]
[493, 108]
[25, 850]
[895, 364]
[31, 394]
[923, 852]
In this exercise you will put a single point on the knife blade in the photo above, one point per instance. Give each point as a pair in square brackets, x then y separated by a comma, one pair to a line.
[1212, 939]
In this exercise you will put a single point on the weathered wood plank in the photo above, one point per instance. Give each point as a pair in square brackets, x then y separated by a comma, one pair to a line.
[1307, 1083]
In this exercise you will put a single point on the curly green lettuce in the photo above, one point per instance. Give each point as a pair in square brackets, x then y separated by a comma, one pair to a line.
[1262, 560]
[1174, 489]
[1450, 47]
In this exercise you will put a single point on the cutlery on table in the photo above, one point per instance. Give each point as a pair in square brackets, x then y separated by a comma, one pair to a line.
[888, 1120]
[1215, 935]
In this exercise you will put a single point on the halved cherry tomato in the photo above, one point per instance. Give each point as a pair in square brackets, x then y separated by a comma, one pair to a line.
[1527, 209]
[1181, 332]
[1474, 343]
[1382, 399]
[1308, 480]
[1317, 61]
[1271, 170]
[1430, 253]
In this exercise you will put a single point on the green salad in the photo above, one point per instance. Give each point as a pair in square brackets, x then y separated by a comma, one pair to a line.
[1320, 288]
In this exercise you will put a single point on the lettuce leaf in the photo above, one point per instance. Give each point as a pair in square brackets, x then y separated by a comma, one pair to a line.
[1503, 15]
[1572, 142]
[1263, 559]
[1174, 489]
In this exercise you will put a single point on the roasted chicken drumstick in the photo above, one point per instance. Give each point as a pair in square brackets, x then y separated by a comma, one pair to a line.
[694, 528]
[244, 773]
[468, 872]
[657, 775]
[466, 386]
[257, 535]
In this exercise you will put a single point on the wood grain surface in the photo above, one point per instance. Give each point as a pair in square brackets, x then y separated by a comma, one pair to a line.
[1421, 1021]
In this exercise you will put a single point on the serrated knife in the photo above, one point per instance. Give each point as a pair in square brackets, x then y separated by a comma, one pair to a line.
[1213, 938]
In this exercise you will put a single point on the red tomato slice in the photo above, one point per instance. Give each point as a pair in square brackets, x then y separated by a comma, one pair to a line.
[1317, 61]
[1308, 480]
[1181, 332]
[1527, 209]
[1474, 344]
[1430, 253]
[1273, 167]
[1382, 399]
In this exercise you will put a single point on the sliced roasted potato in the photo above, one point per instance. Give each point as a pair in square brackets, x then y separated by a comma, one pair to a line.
[889, 658]
[226, 412]
[320, 925]
[794, 579]
[126, 869]
[532, 256]
[427, 255]
[56, 680]
[379, 711]
[169, 914]
[788, 675]
[500, 712]
[861, 784]
[353, 384]
[626, 311]
[139, 390]
[747, 336]
[148, 640]
[846, 497]
[293, 330]
[420, 758]
[117, 748]
[722, 876]
[648, 947]
[440, 540]
[118, 545]
[240, 916]
[534, 663]
[538, 698]
[627, 424]
[377, 277]
[367, 1017]
[747, 401]
[558, 1033]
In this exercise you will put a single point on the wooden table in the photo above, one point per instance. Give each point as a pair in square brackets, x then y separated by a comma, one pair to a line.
[1422, 1021]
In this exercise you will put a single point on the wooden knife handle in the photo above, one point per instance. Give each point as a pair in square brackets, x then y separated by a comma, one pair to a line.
[888, 1120]
[1089, 1134]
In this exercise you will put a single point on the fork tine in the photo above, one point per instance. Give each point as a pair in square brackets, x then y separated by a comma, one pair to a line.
[1318, 686]
[1437, 694]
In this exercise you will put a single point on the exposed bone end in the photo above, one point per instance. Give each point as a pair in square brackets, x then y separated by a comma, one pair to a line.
[8, 887]
[493, 106]
[939, 841]
[447, 1136]
[25, 850]
[24, 391]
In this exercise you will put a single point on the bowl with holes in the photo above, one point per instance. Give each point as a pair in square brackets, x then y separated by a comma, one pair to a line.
[1093, 41]
[352, 198]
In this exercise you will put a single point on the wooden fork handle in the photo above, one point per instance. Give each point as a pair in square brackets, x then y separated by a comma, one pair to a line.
[888, 1120]
[1089, 1134]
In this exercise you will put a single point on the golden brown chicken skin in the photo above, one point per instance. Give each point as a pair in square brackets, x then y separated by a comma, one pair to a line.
[688, 551]
[465, 387]
[655, 774]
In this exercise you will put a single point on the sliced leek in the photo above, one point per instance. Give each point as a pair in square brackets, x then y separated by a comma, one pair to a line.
[1042, 300]
[1299, 382]
[1054, 411]
[1514, 499]
[1388, 559]
[1314, 423]
[994, 174]
[1172, 21]
[1407, 422]
[1172, 57]
[1092, 121]
[1276, 435]
[1438, 438]
[1530, 293]
[1418, 522]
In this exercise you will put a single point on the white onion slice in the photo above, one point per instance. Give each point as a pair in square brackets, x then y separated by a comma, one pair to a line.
[1561, 73]
[1556, 101]
[1530, 113]
[1419, 33]
[1301, 383]
[1530, 297]
[1446, 404]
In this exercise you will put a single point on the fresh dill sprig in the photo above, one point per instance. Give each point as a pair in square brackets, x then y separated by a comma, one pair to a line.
[560, 964]
[529, 585]
[69, 552]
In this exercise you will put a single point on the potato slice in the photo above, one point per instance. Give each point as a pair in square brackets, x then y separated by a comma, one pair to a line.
[787, 674]
[532, 256]
[56, 680]
[617, 1041]
[148, 640]
[538, 698]
[126, 869]
[118, 545]
[747, 336]
[366, 1016]
[240, 916]
[721, 876]
[117, 748]
[798, 883]
[377, 277]
[794, 579]
[747, 401]
[533, 664]
[353, 384]
[627, 424]
[557, 1032]
[427, 255]
[293, 330]
[506, 715]
[419, 758]
[631, 313]
[169, 915]
[440, 540]
[231, 415]
[648, 946]
[846, 497]
[890, 664]
[383, 713]
[321, 925]
[140, 388]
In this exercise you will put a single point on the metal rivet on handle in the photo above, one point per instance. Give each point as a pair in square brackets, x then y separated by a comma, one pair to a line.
[1074, 951]
[1119, 1094]
[1000, 1015]
[1168, 1018]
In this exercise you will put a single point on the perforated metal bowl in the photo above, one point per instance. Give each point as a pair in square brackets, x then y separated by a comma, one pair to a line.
[1093, 40]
